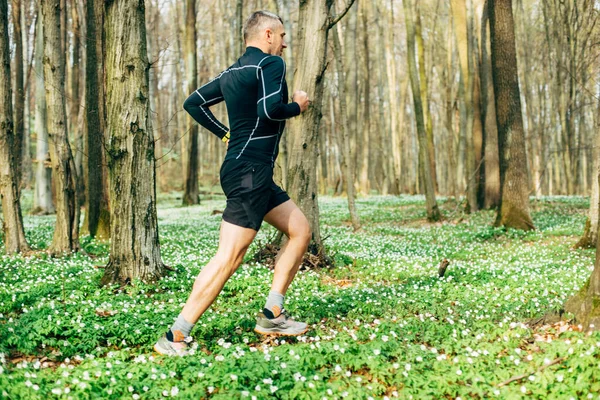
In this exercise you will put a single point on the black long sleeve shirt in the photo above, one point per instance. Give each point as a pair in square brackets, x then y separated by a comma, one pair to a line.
[256, 94]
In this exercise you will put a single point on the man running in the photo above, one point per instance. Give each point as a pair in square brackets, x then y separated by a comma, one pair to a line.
[256, 94]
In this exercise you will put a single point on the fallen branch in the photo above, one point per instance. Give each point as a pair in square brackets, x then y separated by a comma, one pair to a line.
[540, 369]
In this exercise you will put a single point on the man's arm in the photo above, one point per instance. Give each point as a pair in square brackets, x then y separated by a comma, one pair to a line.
[271, 104]
[198, 103]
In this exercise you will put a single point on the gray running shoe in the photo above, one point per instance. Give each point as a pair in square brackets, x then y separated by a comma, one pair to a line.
[165, 347]
[280, 326]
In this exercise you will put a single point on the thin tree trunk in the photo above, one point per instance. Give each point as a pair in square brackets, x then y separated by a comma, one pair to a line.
[461, 27]
[395, 149]
[424, 84]
[433, 212]
[75, 126]
[135, 249]
[12, 225]
[347, 163]
[42, 198]
[66, 233]
[368, 134]
[191, 195]
[491, 164]
[514, 208]
[97, 211]
[19, 91]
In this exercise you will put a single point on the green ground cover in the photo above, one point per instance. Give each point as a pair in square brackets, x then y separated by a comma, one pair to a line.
[383, 323]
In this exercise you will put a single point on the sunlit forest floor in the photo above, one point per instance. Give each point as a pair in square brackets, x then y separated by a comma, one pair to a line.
[383, 324]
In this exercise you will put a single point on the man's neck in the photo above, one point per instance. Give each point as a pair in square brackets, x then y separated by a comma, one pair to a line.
[261, 46]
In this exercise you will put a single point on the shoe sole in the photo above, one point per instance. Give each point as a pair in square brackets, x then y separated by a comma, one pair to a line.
[280, 333]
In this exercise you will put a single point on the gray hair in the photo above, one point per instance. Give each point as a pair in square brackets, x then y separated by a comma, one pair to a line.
[258, 21]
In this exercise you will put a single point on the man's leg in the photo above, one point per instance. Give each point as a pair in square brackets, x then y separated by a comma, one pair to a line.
[233, 243]
[290, 220]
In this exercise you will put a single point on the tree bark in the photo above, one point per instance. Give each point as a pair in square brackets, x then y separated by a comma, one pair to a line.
[12, 226]
[19, 92]
[514, 202]
[461, 25]
[491, 165]
[433, 212]
[314, 22]
[135, 249]
[347, 164]
[66, 233]
[97, 211]
[42, 199]
[75, 121]
[590, 234]
[191, 195]
[424, 84]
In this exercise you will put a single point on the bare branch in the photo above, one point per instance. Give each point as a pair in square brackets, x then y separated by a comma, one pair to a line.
[337, 18]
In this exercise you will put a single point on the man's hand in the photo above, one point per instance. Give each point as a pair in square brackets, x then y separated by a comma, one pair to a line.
[301, 98]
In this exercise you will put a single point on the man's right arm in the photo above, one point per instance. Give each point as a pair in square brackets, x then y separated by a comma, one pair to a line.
[198, 103]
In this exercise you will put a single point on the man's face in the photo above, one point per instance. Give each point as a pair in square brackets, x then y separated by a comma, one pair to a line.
[277, 37]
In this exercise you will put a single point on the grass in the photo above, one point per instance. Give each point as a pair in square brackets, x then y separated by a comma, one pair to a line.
[382, 323]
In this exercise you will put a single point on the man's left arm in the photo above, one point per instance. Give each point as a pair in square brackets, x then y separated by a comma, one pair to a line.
[271, 104]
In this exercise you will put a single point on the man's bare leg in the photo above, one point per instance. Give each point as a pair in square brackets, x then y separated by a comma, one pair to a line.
[233, 243]
[290, 220]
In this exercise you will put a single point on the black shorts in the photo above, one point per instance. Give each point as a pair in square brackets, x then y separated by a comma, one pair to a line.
[251, 192]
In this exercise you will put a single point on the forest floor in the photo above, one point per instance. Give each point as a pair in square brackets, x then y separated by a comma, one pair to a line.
[383, 324]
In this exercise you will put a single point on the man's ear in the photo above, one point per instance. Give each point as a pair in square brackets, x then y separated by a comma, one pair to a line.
[268, 34]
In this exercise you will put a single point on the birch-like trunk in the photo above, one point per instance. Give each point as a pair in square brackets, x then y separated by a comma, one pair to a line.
[19, 92]
[42, 197]
[135, 249]
[12, 224]
[66, 232]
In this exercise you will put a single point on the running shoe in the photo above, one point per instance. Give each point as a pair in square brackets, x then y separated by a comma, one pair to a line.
[282, 325]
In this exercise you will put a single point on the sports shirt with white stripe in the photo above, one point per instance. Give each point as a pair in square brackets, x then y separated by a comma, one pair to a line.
[256, 94]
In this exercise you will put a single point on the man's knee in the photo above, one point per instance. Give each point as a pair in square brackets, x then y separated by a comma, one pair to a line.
[302, 233]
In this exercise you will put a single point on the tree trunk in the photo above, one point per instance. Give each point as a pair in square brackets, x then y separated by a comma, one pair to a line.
[590, 234]
[191, 195]
[19, 117]
[586, 303]
[75, 125]
[314, 23]
[491, 165]
[135, 249]
[433, 212]
[369, 138]
[347, 164]
[424, 84]
[12, 226]
[461, 28]
[514, 202]
[97, 211]
[42, 198]
[66, 233]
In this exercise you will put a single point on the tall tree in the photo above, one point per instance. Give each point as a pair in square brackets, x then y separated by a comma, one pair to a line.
[19, 93]
[97, 221]
[514, 198]
[315, 20]
[433, 212]
[66, 232]
[347, 160]
[135, 249]
[491, 166]
[14, 235]
[191, 195]
[42, 198]
[75, 120]
[461, 25]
